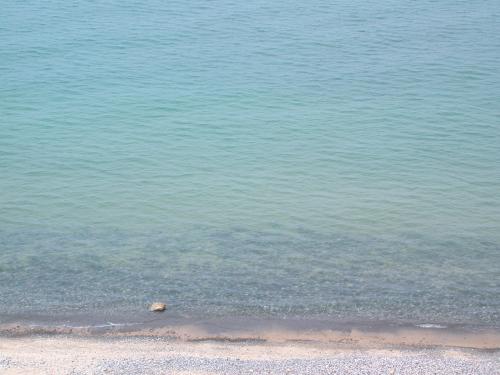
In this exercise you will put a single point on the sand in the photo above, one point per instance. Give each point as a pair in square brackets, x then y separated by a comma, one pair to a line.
[63, 354]
[167, 345]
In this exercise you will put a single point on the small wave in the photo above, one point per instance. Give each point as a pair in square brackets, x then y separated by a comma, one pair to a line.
[431, 325]
[105, 325]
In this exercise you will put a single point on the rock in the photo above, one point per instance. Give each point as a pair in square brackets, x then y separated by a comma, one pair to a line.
[157, 306]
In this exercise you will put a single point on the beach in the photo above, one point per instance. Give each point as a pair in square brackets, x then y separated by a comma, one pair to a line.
[246, 347]
[140, 355]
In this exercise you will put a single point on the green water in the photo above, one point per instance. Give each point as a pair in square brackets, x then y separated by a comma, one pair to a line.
[338, 159]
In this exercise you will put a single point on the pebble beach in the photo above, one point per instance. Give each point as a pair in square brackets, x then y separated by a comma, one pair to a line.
[139, 355]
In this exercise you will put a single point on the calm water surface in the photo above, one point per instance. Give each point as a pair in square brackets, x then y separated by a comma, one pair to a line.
[337, 158]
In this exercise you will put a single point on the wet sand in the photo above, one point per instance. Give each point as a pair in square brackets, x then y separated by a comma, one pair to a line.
[62, 354]
[247, 329]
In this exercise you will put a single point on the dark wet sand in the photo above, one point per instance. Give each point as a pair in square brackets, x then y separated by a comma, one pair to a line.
[248, 329]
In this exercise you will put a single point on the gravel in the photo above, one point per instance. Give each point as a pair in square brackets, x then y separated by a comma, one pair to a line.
[54, 355]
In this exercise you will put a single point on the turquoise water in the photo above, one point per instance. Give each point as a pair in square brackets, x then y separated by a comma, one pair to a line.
[286, 158]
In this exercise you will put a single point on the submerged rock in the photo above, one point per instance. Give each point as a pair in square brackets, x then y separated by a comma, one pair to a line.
[157, 306]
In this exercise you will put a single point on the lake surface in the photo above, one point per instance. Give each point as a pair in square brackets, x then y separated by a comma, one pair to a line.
[283, 158]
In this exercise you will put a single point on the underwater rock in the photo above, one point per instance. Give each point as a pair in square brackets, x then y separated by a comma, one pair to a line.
[157, 306]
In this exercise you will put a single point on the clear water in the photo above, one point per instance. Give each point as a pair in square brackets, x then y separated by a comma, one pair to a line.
[266, 158]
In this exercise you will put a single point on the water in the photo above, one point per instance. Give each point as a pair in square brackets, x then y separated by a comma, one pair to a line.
[336, 159]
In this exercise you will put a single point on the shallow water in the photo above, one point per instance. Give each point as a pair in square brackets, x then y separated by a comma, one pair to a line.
[283, 159]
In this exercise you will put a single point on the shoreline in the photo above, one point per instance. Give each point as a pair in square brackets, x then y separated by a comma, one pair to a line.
[168, 344]
[345, 334]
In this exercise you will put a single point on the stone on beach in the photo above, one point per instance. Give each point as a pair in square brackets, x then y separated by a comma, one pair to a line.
[157, 306]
